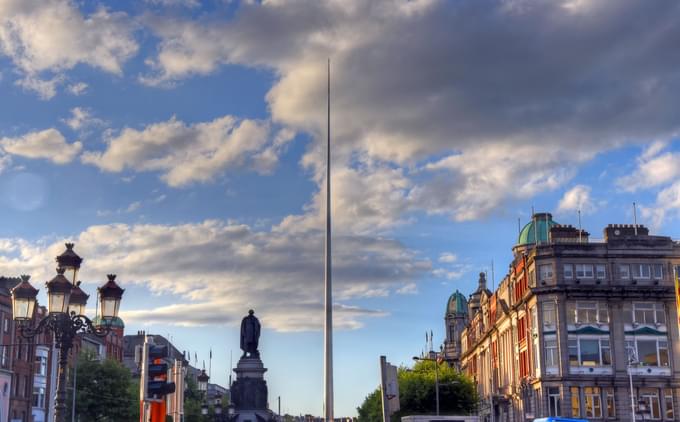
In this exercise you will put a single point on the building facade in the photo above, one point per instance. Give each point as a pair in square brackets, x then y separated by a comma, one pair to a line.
[571, 320]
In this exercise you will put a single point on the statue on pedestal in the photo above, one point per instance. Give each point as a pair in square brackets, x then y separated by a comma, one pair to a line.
[250, 335]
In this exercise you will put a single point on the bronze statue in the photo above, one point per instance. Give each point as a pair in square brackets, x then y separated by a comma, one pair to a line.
[250, 335]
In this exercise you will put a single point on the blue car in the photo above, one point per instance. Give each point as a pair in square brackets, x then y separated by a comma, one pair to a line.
[559, 419]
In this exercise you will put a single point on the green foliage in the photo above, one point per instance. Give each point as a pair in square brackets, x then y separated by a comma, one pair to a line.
[105, 391]
[192, 402]
[457, 394]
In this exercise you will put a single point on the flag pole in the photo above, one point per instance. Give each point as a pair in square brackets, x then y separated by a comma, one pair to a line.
[328, 329]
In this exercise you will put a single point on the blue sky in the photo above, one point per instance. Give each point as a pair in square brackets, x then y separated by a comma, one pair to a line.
[179, 144]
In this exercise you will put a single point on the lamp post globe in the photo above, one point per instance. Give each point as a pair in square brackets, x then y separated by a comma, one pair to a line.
[70, 262]
[78, 300]
[58, 293]
[110, 295]
[23, 300]
[203, 379]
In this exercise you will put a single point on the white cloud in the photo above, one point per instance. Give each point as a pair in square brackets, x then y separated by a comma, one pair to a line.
[217, 270]
[477, 181]
[54, 36]
[408, 289]
[184, 154]
[577, 198]
[81, 118]
[655, 167]
[667, 205]
[514, 131]
[448, 257]
[46, 89]
[47, 144]
[78, 88]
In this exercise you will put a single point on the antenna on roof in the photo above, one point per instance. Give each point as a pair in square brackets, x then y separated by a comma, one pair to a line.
[519, 226]
[635, 218]
[547, 229]
[493, 278]
[580, 231]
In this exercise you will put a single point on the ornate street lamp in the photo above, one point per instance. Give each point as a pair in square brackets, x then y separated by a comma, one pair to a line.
[66, 303]
[23, 299]
[110, 295]
[70, 262]
[203, 382]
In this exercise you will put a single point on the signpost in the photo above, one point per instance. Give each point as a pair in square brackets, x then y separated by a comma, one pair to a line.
[389, 388]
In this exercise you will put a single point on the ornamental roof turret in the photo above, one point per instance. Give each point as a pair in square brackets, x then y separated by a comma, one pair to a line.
[537, 230]
[457, 304]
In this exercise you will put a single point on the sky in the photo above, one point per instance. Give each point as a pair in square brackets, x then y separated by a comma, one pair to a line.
[180, 144]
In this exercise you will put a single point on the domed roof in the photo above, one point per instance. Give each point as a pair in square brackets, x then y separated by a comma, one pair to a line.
[537, 229]
[115, 322]
[456, 304]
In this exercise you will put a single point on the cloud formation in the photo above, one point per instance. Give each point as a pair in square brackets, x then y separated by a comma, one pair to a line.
[54, 36]
[420, 81]
[577, 199]
[48, 144]
[219, 269]
[184, 153]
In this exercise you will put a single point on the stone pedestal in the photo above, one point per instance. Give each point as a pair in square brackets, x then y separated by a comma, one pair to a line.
[249, 391]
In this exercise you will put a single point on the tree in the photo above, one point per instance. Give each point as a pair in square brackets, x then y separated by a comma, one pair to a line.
[193, 400]
[457, 394]
[105, 391]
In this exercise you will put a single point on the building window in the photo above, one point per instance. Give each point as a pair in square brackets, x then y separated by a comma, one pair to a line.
[647, 313]
[549, 313]
[568, 271]
[551, 357]
[609, 402]
[39, 397]
[575, 402]
[41, 365]
[545, 272]
[593, 405]
[668, 403]
[584, 270]
[600, 271]
[589, 351]
[642, 271]
[583, 312]
[650, 396]
[624, 271]
[6, 325]
[554, 402]
[650, 351]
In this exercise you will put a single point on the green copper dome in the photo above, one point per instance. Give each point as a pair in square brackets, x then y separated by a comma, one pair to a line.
[537, 229]
[457, 304]
[115, 322]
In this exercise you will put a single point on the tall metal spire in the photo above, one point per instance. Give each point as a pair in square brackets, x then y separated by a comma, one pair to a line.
[328, 329]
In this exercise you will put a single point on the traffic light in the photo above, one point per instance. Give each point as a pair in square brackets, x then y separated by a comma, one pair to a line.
[156, 374]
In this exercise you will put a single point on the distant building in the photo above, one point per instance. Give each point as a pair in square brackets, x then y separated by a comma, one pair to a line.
[455, 318]
[571, 316]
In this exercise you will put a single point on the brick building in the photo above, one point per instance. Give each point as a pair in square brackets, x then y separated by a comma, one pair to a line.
[569, 322]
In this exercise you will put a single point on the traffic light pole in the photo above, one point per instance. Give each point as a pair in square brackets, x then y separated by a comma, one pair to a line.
[153, 385]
